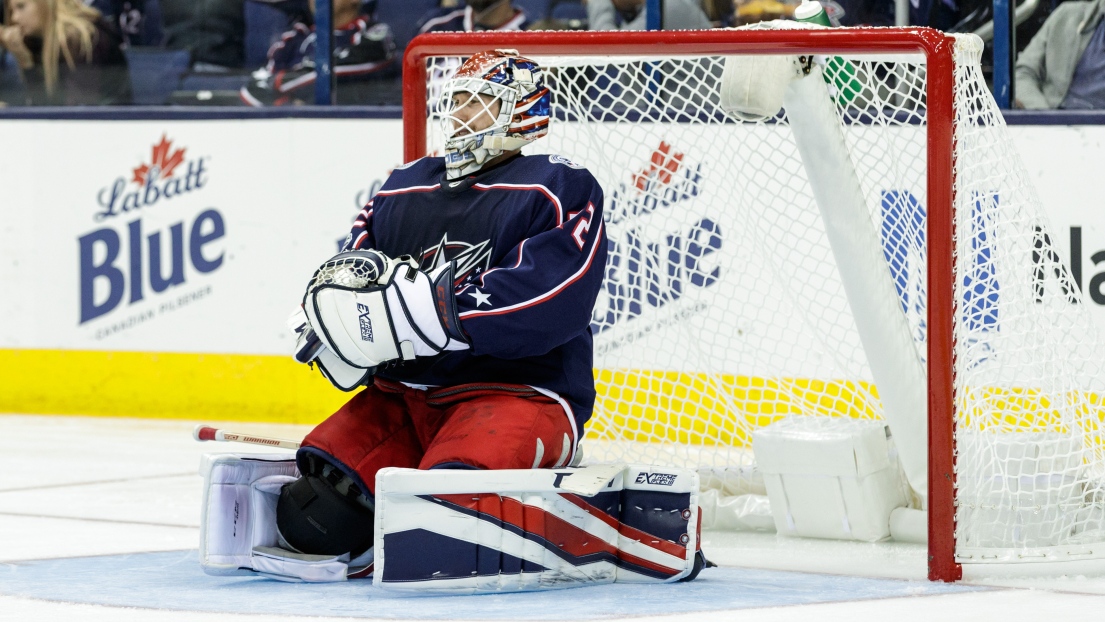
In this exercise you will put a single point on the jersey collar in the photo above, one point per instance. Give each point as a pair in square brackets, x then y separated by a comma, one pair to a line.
[457, 186]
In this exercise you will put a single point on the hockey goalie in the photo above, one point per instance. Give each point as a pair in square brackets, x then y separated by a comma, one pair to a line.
[460, 310]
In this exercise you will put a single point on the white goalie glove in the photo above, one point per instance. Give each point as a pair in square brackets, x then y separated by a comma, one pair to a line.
[366, 310]
[309, 350]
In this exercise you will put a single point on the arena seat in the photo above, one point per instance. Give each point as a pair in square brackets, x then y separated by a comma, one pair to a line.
[204, 81]
[265, 22]
[11, 88]
[567, 10]
[155, 73]
[403, 17]
[535, 9]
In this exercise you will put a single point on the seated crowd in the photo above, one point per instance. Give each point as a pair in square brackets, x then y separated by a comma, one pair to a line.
[262, 52]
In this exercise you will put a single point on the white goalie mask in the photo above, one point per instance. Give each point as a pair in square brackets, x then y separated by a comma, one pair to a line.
[496, 102]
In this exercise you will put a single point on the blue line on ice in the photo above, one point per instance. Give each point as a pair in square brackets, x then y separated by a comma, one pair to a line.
[174, 580]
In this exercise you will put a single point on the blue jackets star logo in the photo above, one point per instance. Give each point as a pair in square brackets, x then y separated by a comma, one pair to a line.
[470, 258]
[481, 298]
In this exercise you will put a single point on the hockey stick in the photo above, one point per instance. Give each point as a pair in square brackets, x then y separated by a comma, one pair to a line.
[587, 481]
[208, 433]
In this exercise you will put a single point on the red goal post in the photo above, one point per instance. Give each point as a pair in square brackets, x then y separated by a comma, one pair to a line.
[937, 49]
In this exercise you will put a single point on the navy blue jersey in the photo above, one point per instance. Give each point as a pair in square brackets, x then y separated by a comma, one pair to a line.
[363, 51]
[530, 248]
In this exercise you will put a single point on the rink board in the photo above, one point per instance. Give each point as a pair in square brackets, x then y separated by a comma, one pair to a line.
[92, 326]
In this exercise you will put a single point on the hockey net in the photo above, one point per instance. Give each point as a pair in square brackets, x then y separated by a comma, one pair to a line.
[724, 308]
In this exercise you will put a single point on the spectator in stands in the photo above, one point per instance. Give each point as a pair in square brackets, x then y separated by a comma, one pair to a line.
[862, 12]
[938, 14]
[477, 15]
[755, 11]
[630, 15]
[213, 30]
[363, 50]
[1064, 64]
[138, 21]
[67, 53]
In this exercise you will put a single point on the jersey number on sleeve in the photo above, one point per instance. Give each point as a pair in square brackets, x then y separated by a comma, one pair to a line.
[583, 226]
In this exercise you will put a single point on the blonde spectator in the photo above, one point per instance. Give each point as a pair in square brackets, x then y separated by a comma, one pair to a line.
[67, 53]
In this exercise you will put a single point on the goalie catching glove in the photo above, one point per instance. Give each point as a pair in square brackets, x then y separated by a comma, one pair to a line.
[367, 310]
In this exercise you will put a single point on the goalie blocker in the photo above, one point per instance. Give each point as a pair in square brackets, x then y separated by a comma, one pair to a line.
[472, 532]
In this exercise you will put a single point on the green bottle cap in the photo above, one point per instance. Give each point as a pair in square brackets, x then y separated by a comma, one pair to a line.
[811, 11]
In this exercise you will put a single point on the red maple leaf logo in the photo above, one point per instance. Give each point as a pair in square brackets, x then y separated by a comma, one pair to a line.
[161, 162]
[662, 165]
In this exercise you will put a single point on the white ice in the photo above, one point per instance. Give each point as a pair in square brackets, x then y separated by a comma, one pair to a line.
[99, 521]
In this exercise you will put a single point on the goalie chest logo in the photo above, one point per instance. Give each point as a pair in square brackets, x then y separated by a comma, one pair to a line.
[656, 479]
[366, 322]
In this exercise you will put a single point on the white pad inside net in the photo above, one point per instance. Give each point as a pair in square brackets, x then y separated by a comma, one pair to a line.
[725, 308]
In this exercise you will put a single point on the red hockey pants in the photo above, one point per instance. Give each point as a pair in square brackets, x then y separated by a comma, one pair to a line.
[486, 426]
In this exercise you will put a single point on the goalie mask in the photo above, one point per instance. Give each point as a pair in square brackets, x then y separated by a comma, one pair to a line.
[496, 102]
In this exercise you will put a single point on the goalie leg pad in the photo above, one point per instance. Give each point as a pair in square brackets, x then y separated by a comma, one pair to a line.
[518, 530]
[239, 508]
[238, 530]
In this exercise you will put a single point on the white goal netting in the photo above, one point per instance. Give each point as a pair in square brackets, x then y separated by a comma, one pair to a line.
[724, 308]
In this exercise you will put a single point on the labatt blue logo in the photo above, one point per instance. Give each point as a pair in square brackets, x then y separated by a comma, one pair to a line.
[646, 273]
[123, 259]
[159, 180]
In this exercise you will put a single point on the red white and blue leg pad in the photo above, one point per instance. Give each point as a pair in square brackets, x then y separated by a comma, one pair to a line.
[238, 533]
[519, 530]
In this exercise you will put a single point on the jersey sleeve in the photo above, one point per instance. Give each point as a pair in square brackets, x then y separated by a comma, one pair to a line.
[360, 235]
[542, 293]
[285, 54]
[364, 53]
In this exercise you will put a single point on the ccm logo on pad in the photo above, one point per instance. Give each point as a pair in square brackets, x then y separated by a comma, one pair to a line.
[366, 323]
[658, 479]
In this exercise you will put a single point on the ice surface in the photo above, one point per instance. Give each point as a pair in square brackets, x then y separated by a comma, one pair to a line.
[173, 580]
